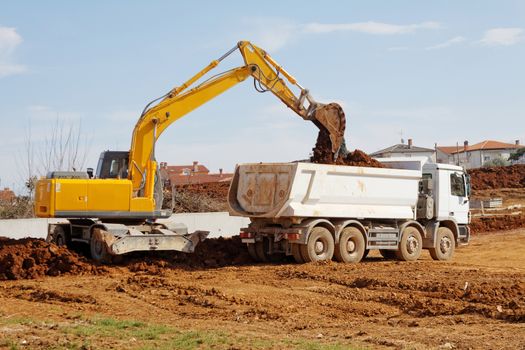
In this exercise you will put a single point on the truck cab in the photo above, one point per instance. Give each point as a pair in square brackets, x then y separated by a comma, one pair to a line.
[451, 191]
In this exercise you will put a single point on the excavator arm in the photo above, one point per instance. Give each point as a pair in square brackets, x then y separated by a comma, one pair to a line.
[268, 76]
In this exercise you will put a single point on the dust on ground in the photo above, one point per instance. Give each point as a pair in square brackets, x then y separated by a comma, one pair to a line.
[476, 301]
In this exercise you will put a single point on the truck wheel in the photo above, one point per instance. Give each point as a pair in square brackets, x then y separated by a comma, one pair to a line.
[296, 252]
[260, 249]
[445, 245]
[99, 247]
[410, 246]
[351, 247]
[365, 254]
[252, 251]
[58, 236]
[320, 246]
[388, 254]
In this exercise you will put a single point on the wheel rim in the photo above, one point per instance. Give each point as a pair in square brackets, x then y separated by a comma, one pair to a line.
[319, 247]
[445, 245]
[412, 245]
[350, 246]
[98, 248]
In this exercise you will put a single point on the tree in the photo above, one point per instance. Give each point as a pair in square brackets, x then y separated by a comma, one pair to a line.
[63, 148]
[517, 155]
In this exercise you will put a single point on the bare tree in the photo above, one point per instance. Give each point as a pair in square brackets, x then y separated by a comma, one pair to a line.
[64, 148]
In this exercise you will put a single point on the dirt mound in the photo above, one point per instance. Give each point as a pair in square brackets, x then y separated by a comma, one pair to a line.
[322, 154]
[33, 258]
[496, 223]
[213, 252]
[498, 177]
[198, 198]
[215, 190]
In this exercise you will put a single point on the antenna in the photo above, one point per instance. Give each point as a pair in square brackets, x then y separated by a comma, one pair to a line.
[401, 136]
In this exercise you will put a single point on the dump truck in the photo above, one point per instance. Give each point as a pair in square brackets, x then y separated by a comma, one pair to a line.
[114, 210]
[317, 212]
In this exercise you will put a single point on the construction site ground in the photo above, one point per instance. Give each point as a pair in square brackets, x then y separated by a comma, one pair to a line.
[476, 301]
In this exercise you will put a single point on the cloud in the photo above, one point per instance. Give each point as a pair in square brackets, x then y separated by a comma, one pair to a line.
[9, 41]
[502, 37]
[454, 41]
[370, 27]
[398, 48]
[273, 33]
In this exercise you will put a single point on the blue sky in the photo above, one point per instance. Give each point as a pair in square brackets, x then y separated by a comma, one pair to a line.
[434, 71]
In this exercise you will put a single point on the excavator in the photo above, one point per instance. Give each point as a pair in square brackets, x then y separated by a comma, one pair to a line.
[115, 210]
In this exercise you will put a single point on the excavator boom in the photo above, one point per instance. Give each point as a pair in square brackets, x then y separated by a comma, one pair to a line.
[268, 76]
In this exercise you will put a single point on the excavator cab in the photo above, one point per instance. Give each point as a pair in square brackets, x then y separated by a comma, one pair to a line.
[113, 165]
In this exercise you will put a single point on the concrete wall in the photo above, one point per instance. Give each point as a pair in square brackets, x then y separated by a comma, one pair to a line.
[219, 224]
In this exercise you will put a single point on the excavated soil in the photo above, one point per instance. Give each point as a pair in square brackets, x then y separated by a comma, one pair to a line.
[34, 258]
[487, 224]
[322, 154]
[217, 190]
[498, 177]
[476, 301]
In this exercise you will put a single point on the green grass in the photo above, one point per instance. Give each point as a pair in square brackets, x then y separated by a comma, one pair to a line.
[101, 332]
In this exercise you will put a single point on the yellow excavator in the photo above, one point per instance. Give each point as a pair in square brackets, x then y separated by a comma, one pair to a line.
[115, 209]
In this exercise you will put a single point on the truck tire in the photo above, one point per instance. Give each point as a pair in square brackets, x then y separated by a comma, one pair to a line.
[410, 246]
[388, 254]
[320, 246]
[296, 252]
[98, 247]
[252, 251]
[445, 245]
[365, 254]
[261, 251]
[58, 236]
[351, 246]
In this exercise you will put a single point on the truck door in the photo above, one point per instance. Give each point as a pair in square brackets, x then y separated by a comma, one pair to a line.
[458, 200]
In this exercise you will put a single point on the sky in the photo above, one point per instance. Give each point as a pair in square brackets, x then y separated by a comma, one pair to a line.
[434, 71]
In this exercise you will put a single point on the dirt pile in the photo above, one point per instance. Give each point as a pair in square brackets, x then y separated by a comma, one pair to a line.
[322, 154]
[214, 252]
[496, 223]
[33, 258]
[198, 198]
[498, 177]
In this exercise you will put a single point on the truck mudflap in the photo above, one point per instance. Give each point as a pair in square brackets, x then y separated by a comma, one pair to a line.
[154, 242]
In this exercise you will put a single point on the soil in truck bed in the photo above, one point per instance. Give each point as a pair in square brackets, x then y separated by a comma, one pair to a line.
[322, 154]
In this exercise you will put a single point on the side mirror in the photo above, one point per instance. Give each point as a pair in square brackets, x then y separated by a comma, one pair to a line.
[468, 185]
[89, 171]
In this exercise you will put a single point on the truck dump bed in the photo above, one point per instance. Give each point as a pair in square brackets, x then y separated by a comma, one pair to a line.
[276, 190]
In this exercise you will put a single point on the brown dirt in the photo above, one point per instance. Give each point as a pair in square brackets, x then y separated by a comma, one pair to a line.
[197, 198]
[34, 258]
[498, 177]
[496, 223]
[476, 301]
[322, 154]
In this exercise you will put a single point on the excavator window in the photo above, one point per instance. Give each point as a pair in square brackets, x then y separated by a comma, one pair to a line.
[112, 165]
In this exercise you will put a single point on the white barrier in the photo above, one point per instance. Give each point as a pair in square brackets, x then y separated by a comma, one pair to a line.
[219, 224]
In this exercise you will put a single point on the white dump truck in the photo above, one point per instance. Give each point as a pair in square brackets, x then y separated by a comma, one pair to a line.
[317, 212]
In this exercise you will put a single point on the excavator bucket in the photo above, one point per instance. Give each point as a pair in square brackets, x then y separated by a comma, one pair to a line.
[331, 118]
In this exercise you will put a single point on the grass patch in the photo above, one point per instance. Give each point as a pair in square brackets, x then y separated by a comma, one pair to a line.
[104, 332]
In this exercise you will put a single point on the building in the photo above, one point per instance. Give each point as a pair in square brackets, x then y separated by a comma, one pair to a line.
[405, 150]
[191, 174]
[477, 155]
[7, 195]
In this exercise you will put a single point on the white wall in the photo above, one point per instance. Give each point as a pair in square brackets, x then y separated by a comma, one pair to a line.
[219, 224]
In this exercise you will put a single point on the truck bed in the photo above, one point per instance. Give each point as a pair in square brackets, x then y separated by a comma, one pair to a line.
[277, 190]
